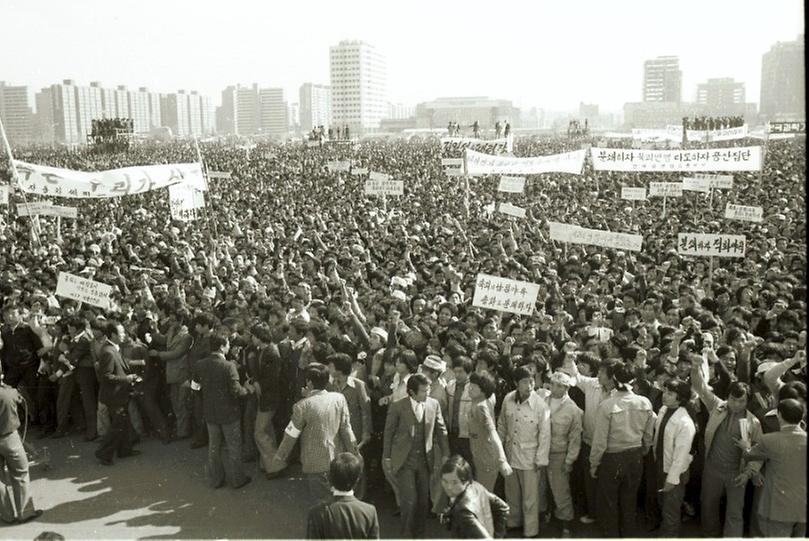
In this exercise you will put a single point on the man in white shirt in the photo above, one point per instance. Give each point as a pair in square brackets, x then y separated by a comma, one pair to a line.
[674, 434]
[524, 427]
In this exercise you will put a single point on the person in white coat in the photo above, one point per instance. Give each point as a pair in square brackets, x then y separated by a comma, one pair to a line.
[674, 435]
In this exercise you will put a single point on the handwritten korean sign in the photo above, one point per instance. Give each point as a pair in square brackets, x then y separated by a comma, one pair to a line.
[81, 289]
[493, 146]
[716, 182]
[633, 194]
[575, 234]
[744, 213]
[511, 184]
[512, 210]
[384, 187]
[666, 189]
[706, 244]
[696, 185]
[505, 295]
[186, 202]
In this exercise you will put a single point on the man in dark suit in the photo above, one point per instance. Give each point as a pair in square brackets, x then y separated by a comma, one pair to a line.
[344, 517]
[412, 427]
[115, 384]
[218, 380]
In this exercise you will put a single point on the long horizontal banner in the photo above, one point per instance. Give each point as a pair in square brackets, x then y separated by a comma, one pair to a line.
[744, 213]
[575, 234]
[707, 244]
[718, 159]
[492, 146]
[82, 289]
[53, 181]
[787, 127]
[384, 187]
[511, 184]
[46, 208]
[704, 136]
[478, 164]
[505, 294]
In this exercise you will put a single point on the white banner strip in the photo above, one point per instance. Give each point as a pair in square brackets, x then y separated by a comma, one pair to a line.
[53, 181]
[744, 213]
[384, 187]
[633, 194]
[511, 184]
[512, 210]
[81, 289]
[491, 146]
[716, 182]
[575, 234]
[718, 159]
[705, 136]
[379, 177]
[505, 295]
[705, 244]
[454, 162]
[478, 164]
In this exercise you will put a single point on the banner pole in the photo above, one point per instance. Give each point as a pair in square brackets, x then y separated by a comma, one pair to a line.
[466, 184]
[764, 153]
[664, 205]
[203, 168]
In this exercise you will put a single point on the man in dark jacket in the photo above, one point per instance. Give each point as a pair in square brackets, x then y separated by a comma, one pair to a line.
[344, 517]
[218, 381]
[474, 512]
[115, 384]
[200, 349]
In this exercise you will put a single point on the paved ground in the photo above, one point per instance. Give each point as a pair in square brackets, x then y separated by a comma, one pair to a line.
[162, 494]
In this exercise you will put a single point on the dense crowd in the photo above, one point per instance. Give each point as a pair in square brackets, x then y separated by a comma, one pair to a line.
[291, 264]
[713, 122]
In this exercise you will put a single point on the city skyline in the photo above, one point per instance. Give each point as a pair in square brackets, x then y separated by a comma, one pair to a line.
[426, 58]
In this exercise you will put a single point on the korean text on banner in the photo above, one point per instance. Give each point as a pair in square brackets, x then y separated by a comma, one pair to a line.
[744, 213]
[575, 234]
[186, 202]
[4, 191]
[666, 189]
[706, 244]
[511, 210]
[492, 146]
[633, 194]
[696, 185]
[505, 295]
[704, 136]
[219, 174]
[52, 181]
[384, 187]
[378, 177]
[34, 208]
[787, 127]
[511, 184]
[451, 162]
[716, 182]
[716, 159]
[81, 289]
[478, 164]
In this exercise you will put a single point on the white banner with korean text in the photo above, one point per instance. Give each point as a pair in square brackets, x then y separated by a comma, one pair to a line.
[505, 294]
[717, 159]
[46, 208]
[716, 182]
[82, 289]
[708, 245]
[705, 136]
[633, 194]
[744, 213]
[53, 181]
[575, 234]
[185, 202]
[478, 164]
[384, 187]
[511, 184]
[665, 189]
[491, 146]
[696, 185]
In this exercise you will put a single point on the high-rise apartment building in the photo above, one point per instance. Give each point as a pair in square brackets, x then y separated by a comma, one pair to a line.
[58, 104]
[315, 106]
[174, 112]
[720, 95]
[15, 111]
[783, 81]
[139, 109]
[662, 79]
[273, 112]
[227, 121]
[358, 86]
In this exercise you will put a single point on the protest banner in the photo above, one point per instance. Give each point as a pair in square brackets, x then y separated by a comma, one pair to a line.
[34, 208]
[575, 234]
[356, 171]
[705, 136]
[716, 182]
[185, 202]
[505, 294]
[492, 146]
[633, 194]
[653, 135]
[744, 213]
[787, 127]
[717, 159]
[696, 185]
[4, 191]
[511, 184]
[53, 181]
[711, 245]
[665, 189]
[379, 177]
[511, 210]
[384, 187]
[85, 290]
[213, 175]
[478, 164]
[338, 166]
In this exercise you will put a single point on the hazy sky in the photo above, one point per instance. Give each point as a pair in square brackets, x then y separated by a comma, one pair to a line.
[551, 54]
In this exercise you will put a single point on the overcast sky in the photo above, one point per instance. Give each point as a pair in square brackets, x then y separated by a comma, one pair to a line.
[551, 54]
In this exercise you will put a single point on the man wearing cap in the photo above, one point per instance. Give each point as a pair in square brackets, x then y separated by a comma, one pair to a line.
[566, 429]
[432, 367]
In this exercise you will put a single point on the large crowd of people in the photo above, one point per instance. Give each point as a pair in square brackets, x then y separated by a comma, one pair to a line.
[644, 389]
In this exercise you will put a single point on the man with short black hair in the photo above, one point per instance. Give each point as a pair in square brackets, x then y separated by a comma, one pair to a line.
[344, 517]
